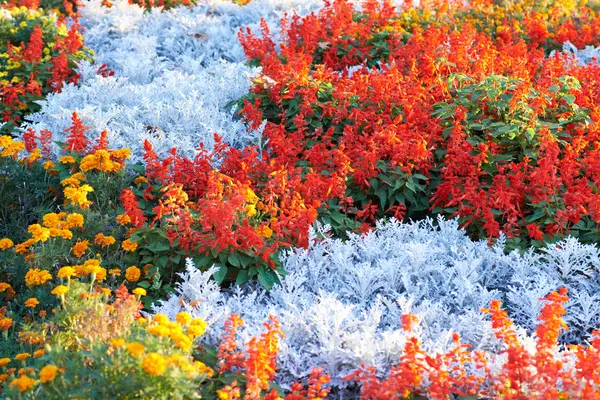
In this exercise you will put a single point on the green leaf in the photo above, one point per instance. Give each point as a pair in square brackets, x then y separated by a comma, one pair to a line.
[242, 277]
[220, 274]
[144, 284]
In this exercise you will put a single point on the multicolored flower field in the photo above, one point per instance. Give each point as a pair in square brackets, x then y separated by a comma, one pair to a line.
[300, 199]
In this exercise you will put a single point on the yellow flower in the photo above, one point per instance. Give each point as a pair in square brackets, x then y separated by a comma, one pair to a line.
[139, 291]
[5, 323]
[264, 231]
[4, 362]
[49, 165]
[250, 210]
[106, 291]
[135, 349]
[38, 233]
[66, 272]
[183, 318]
[182, 341]
[12, 149]
[133, 273]
[32, 302]
[70, 181]
[39, 353]
[160, 319]
[48, 373]
[23, 383]
[66, 234]
[154, 364]
[37, 277]
[103, 241]
[75, 220]
[123, 219]
[4, 286]
[140, 179]
[60, 290]
[128, 245]
[117, 342]
[203, 369]
[159, 330]
[80, 247]
[115, 271]
[6, 244]
[197, 327]
[66, 160]
[22, 356]
[250, 196]
[51, 220]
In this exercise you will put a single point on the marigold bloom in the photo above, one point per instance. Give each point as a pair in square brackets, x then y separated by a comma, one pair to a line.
[103, 241]
[38, 233]
[48, 373]
[32, 302]
[5, 323]
[154, 364]
[4, 362]
[60, 290]
[22, 356]
[39, 353]
[114, 271]
[128, 245]
[75, 220]
[123, 219]
[133, 273]
[135, 349]
[4, 286]
[37, 277]
[80, 247]
[264, 231]
[51, 220]
[49, 165]
[197, 327]
[139, 291]
[183, 318]
[66, 272]
[6, 244]
[66, 160]
[117, 342]
[139, 180]
[23, 383]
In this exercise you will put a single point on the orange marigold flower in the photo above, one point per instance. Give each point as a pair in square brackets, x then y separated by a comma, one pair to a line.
[154, 364]
[6, 244]
[103, 241]
[140, 179]
[22, 356]
[4, 362]
[123, 219]
[117, 342]
[80, 247]
[75, 220]
[264, 231]
[32, 302]
[5, 323]
[133, 273]
[38, 233]
[128, 245]
[23, 383]
[115, 271]
[135, 349]
[39, 353]
[37, 277]
[66, 272]
[67, 160]
[48, 373]
[49, 165]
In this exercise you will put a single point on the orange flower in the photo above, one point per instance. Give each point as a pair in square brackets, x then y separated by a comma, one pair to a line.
[128, 245]
[80, 247]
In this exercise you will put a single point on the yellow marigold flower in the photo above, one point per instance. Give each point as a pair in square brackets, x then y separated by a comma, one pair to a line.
[106, 291]
[115, 271]
[264, 231]
[123, 219]
[154, 364]
[66, 160]
[23, 248]
[49, 165]
[128, 245]
[133, 273]
[37, 277]
[160, 319]
[23, 383]
[5, 323]
[39, 353]
[66, 234]
[139, 291]
[36, 154]
[32, 302]
[12, 149]
[60, 290]
[5, 140]
[203, 369]
[117, 342]
[79, 195]
[250, 196]
[6, 244]
[250, 210]
[66, 272]
[75, 220]
[159, 330]
[140, 179]
[4, 286]
[135, 349]
[121, 154]
[80, 247]
[4, 362]
[103, 241]
[182, 341]
[48, 373]
[197, 329]
[3, 377]
[70, 181]
[38, 233]
[51, 220]
[183, 318]
[22, 356]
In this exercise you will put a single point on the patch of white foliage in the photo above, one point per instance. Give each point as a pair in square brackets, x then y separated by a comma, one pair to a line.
[341, 303]
[174, 74]
[583, 56]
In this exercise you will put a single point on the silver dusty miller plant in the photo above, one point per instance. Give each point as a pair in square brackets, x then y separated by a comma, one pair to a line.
[341, 303]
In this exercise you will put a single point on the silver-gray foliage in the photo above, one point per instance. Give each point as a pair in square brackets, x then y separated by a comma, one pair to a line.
[341, 303]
